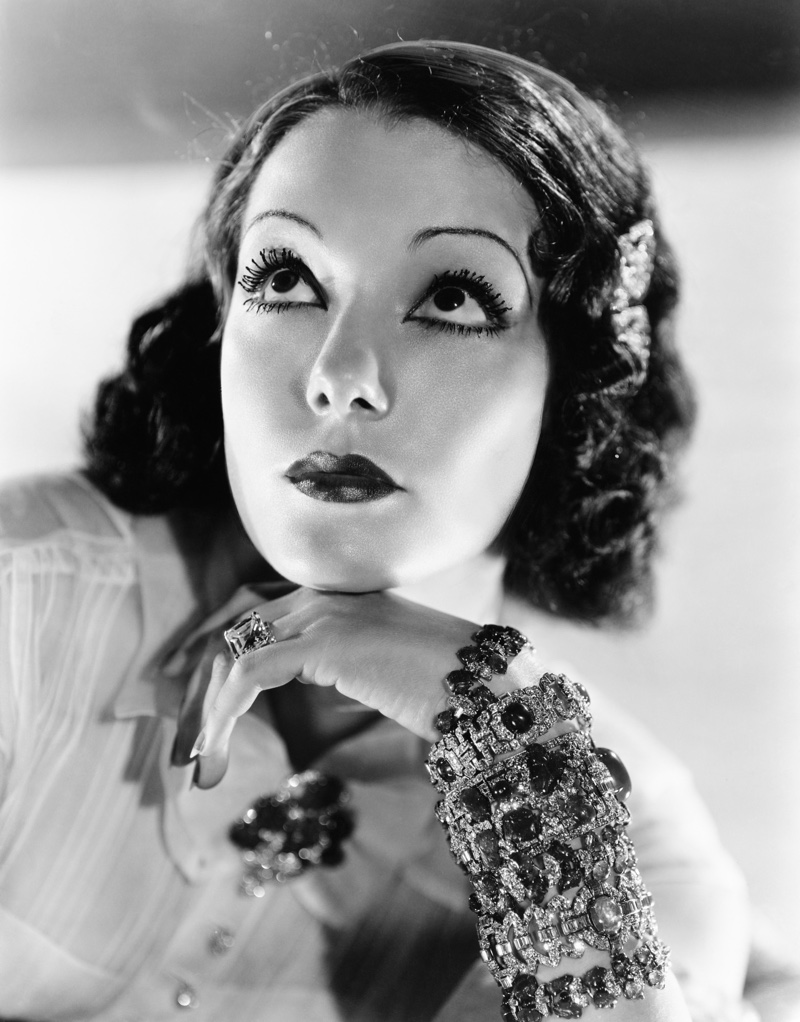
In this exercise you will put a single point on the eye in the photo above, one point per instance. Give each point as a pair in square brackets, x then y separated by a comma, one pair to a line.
[462, 302]
[453, 304]
[284, 282]
[277, 280]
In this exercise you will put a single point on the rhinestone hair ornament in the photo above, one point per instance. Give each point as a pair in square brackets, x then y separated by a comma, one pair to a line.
[629, 319]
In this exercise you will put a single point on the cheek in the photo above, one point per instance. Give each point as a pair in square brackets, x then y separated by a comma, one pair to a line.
[254, 402]
[262, 393]
[491, 420]
[476, 440]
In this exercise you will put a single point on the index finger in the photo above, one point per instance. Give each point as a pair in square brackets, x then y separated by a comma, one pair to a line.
[255, 672]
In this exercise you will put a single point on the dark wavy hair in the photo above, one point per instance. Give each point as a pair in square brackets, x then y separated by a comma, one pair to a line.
[580, 540]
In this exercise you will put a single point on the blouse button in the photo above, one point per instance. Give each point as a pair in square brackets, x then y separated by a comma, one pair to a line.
[221, 941]
[186, 997]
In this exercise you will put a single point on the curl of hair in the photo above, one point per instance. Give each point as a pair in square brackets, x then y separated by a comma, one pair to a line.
[580, 541]
[156, 436]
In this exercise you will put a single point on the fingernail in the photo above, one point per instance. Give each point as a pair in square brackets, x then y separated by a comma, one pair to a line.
[180, 757]
[199, 745]
[211, 769]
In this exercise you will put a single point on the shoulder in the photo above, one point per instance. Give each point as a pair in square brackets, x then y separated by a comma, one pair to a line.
[650, 762]
[37, 509]
[81, 583]
[68, 580]
[58, 527]
[673, 829]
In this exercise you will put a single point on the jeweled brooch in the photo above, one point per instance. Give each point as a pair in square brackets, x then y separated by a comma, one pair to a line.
[302, 824]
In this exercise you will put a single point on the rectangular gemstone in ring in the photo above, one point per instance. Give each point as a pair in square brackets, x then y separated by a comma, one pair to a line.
[248, 634]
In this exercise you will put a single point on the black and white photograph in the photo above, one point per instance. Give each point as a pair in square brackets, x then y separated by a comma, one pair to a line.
[399, 510]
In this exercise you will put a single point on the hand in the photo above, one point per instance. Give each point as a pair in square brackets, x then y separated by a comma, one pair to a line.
[386, 652]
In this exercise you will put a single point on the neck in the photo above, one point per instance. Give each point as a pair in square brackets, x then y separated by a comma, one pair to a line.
[471, 590]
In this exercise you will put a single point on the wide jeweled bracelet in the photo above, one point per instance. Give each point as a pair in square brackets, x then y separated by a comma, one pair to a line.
[475, 734]
[535, 815]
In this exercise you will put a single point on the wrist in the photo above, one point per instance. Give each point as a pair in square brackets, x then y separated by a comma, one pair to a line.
[535, 817]
[524, 670]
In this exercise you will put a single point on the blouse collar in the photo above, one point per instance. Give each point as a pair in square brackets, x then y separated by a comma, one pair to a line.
[187, 587]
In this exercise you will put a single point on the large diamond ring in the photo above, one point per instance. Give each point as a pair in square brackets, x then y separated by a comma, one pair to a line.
[252, 632]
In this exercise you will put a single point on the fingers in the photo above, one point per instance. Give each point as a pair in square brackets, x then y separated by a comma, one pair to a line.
[207, 773]
[219, 675]
[193, 709]
[232, 694]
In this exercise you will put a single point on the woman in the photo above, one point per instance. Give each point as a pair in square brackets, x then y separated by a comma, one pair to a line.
[425, 359]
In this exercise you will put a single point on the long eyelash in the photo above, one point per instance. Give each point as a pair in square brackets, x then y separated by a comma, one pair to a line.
[446, 327]
[256, 304]
[477, 287]
[266, 262]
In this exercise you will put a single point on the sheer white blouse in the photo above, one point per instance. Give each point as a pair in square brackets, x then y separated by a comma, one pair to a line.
[119, 887]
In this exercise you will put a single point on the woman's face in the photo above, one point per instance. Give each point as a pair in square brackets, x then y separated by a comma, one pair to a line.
[384, 308]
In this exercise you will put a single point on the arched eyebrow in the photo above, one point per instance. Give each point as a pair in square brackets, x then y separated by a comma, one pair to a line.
[283, 214]
[432, 232]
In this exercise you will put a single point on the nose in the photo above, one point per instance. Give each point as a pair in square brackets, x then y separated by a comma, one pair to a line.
[345, 379]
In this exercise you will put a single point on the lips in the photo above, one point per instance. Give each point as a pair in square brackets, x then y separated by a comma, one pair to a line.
[341, 478]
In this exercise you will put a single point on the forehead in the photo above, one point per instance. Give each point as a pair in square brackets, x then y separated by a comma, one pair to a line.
[340, 166]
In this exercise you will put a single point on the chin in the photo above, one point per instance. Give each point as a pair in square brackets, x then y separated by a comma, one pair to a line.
[350, 578]
[325, 566]
[361, 559]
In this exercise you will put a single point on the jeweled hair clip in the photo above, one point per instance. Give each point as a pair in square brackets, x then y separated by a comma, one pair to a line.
[629, 318]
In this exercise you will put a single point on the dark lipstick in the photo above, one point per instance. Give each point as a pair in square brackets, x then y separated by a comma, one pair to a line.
[343, 478]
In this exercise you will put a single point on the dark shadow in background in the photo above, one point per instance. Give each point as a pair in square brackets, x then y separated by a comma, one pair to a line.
[114, 80]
